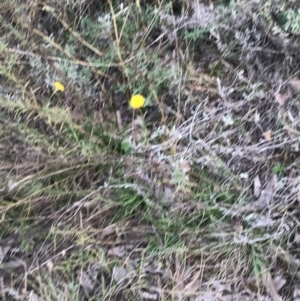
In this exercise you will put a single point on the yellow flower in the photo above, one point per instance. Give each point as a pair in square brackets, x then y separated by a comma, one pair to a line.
[137, 101]
[59, 87]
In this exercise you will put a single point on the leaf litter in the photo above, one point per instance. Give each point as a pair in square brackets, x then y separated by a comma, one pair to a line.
[191, 208]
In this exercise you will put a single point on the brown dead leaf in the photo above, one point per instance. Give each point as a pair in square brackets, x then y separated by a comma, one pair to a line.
[86, 281]
[279, 282]
[154, 268]
[50, 265]
[281, 98]
[288, 130]
[108, 231]
[237, 223]
[120, 251]
[295, 84]
[267, 193]
[184, 167]
[3, 252]
[268, 135]
[119, 274]
[264, 199]
[206, 297]
[195, 282]
[270, 285]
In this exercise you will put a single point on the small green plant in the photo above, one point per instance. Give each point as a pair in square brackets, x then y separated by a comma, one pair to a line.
[278, 169]
[196, 34]
[290, 20]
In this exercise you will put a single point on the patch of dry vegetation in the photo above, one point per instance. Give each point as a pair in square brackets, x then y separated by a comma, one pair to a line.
[193, 197]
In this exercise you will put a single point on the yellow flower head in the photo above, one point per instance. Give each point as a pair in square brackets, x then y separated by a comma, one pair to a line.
[59, 87]
[137, 101]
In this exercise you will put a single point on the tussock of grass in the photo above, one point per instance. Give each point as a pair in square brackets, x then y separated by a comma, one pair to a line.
[194, 195]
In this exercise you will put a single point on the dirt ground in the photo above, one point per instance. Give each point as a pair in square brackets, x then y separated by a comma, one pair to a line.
[191, 195]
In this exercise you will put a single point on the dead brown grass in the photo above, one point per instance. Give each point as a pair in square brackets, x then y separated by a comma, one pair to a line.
[194, 197]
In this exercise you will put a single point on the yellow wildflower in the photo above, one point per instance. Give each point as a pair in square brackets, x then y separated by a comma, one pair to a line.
[59, 86]
[137, 101]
